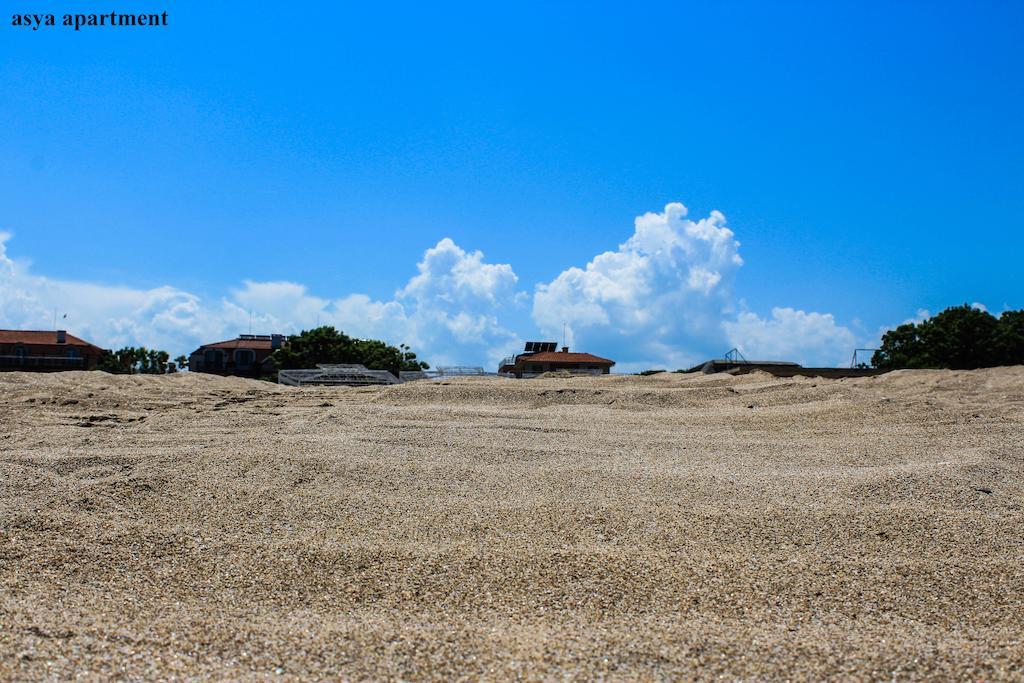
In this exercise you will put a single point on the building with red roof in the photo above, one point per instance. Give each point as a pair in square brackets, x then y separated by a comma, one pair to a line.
[540, 357]
[46, 351]
[247, 355]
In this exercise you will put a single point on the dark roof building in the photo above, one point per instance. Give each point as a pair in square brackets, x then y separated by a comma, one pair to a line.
[248, 355]
[540, 357]
[46, 351]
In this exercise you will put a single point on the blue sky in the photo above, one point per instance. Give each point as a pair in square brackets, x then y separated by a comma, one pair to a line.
[347, 163]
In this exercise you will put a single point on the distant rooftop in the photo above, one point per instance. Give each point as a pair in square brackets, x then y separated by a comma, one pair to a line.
[248, 341]
[41, 337]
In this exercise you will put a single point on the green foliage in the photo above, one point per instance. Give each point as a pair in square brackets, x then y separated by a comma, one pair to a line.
[645, 373]
[136, 361]
[959, 338]
[328, 345]
[1010, 337]
[181, 362]
[901, 348]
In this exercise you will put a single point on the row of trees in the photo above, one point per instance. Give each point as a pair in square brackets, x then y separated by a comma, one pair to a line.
[328, 345]
[305, 350]
[959, 338]
[140, 361]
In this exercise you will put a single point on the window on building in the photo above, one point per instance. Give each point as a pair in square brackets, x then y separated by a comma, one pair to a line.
[244, 358]
[213, 359]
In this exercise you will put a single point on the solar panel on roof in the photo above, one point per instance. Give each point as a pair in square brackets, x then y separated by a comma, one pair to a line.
[539, 347]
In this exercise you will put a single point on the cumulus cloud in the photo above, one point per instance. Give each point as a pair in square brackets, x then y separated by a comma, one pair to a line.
[450, 308]
[808, 338]
[448, 311]
[113, 315]
[662, 298]
[658, 298]
[665, 298]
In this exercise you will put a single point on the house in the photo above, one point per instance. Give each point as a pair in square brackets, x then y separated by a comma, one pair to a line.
[541, 357]
[46, 351]
[248, 355]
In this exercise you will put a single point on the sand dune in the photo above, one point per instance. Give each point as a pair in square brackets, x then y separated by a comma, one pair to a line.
[624, 527]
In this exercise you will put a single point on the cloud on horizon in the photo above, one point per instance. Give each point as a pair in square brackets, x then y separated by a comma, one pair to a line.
[666, 295]
[449, 308]
[662, 293]
[791, 334]
[663, 298]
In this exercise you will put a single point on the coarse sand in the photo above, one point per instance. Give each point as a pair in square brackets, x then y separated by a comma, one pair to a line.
[662, 527]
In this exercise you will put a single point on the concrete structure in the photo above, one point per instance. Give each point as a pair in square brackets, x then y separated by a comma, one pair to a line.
[540, 357]
[779, 369]
[46, 351]
[336, 374]
[248, 355]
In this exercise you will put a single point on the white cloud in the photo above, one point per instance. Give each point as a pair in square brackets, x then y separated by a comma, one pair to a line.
[112, 315]
[665, 298]
[657, 299]
[448, 312]
[448, 273]
[789, 334]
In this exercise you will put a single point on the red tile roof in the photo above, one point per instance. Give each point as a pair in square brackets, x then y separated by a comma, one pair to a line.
[255, 344]
[40, 337]
[565, 357]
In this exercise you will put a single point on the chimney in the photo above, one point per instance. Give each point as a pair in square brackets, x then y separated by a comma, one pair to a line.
[62, 336]
[565, 349]
[276, 340]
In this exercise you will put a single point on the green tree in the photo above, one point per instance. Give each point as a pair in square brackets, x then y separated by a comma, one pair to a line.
[181, 362]
[133, 361]
[1010, 337]
[901, 348]
[959, 338]
[328, 345]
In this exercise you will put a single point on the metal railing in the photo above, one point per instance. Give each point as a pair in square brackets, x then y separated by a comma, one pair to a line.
[350, 375]
[858, 358]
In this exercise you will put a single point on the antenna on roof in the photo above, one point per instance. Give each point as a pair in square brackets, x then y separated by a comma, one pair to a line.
[563, 334]
[250, 322]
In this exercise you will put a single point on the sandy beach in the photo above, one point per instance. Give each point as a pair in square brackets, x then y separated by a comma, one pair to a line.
[664, 527]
